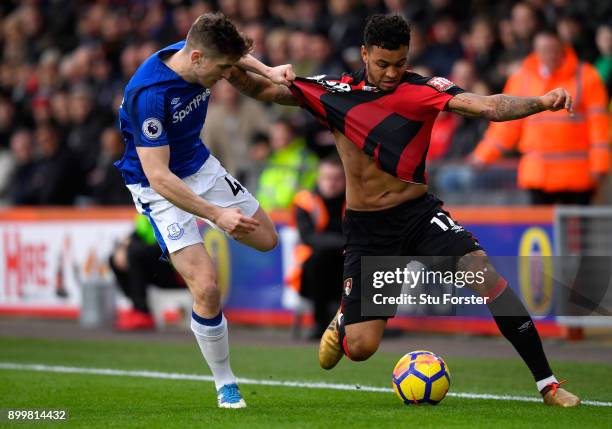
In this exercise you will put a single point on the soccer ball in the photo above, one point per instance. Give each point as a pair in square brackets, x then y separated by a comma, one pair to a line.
[421, 377]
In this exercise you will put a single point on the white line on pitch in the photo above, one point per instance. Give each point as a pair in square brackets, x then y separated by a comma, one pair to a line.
[303, 384]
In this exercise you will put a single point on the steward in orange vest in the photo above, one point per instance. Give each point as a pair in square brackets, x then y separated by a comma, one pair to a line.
[563, 156]
[319, 256]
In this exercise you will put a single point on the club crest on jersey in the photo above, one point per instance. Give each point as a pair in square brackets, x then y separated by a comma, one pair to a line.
[348, 286]
[175, 231]
[152, 128]
[439, 83]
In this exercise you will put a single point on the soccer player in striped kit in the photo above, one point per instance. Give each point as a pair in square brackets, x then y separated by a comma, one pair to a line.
[381, 118]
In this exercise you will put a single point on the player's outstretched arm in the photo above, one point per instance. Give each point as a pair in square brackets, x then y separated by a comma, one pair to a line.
[502, 107]
[282, 75]
[261, 88]
[154, 162]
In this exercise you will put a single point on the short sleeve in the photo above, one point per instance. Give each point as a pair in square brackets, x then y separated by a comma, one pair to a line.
[146, 112]
[438, 91]
[429, 95]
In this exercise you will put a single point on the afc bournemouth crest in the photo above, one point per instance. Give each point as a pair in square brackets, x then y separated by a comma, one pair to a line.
[175, 231]
[348, 286]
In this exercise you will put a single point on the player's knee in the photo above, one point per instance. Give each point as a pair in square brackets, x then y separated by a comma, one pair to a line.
[361, 348]
[268, 242]
[489, 281]
[204, 289]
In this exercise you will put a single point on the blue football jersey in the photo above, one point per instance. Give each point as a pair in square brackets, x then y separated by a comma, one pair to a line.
[160, 108]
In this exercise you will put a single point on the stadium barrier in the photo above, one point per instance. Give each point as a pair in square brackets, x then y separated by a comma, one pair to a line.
[48, 254]
[585, 231]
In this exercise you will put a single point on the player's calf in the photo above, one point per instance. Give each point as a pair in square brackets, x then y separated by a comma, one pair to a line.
[516, 325]
[359, 341]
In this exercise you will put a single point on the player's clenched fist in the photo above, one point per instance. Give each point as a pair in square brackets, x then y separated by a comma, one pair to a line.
[282, 74]
[558, 99]
[232, 221]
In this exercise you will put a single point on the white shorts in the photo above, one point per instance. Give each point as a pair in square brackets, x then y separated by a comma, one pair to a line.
[175, 228]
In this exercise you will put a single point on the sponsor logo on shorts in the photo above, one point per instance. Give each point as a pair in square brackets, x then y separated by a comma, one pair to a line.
[348, 286]
[440, 83]
[152, 128]
[175, 231]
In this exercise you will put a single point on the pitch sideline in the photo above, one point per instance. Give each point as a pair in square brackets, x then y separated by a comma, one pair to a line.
[302, 384]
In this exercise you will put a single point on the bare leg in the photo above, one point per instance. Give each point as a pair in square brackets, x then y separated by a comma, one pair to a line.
[264, 238]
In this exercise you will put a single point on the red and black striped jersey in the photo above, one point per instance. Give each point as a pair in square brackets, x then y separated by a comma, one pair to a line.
[394, 128]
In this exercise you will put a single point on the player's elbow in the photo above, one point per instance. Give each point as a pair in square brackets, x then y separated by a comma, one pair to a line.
[158, 180]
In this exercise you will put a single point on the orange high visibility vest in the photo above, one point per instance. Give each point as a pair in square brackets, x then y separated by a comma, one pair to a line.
[314, 205]
[559, 152]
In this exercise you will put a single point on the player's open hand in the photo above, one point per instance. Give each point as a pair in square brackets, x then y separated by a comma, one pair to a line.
[558, 99]
[282, 75]
[232, 221]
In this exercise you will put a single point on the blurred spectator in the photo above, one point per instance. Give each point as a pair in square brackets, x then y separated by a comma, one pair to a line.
[310, 17]
[573, 32]
[318, 217]
[483, 48]
[277, 47]
[289, 168]
[56, 177]
[136, 265]
[22, 152]
[259, 151]
[85, 127]
[299, 53]
[8, 118]
[257, 32]
[105, 182]
[564, 157]
[455, 136]
[231, 122]
[524, 23]
[347, 24]
[320, 53]
[446, 48]
[604, 61]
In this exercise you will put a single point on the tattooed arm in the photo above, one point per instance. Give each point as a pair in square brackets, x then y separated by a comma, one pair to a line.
[502, 107]
[261, 88]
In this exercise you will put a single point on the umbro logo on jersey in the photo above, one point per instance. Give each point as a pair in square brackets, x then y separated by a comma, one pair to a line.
[175, 100]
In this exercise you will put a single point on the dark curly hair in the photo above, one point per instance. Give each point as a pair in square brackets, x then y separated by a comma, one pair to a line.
[217, 35]
[387, 32]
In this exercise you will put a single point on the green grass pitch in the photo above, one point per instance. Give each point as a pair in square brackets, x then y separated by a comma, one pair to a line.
[102, 401]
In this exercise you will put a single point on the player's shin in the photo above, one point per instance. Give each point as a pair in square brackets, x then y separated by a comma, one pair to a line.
[515, 323]
[342, 339]
[212, 337]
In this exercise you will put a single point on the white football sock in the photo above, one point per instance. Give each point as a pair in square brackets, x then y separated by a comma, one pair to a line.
[543, 383]
[214, 345]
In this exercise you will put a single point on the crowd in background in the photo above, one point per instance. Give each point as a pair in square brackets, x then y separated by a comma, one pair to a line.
[64, 64]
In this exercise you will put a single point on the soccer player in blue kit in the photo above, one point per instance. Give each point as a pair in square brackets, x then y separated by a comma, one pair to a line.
[173, 177]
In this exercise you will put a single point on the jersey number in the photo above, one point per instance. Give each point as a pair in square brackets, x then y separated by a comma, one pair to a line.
[436, 219]
[235, 187]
